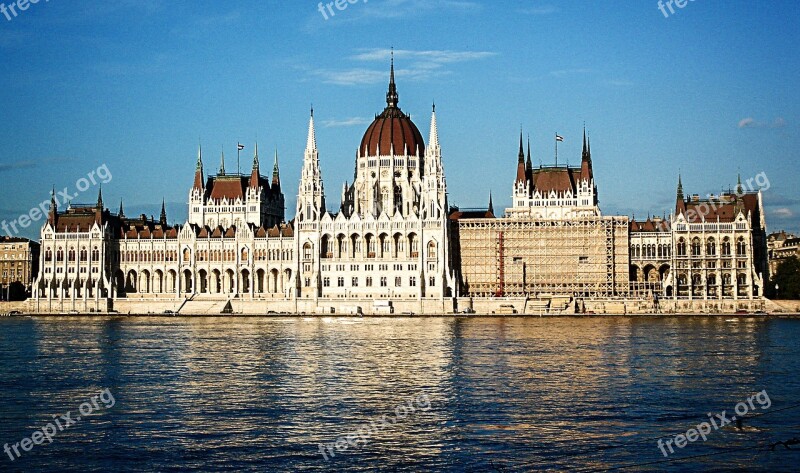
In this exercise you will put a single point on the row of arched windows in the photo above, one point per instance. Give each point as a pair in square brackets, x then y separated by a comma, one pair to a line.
[83, 253]
[696, 247]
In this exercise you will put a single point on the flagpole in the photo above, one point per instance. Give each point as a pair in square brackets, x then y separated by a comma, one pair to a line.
[238, 151]
[556, 149]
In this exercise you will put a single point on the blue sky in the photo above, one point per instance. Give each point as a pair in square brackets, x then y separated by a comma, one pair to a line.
[710, 90]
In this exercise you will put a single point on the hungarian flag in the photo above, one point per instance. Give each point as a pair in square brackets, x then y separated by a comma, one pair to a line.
[559, 137]
[241, 146]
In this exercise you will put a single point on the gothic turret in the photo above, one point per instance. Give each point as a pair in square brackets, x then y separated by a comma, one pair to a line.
[255, 174]
[311, 197]
[198, 170]
[276, 175]
[521, 178]
[163, 217]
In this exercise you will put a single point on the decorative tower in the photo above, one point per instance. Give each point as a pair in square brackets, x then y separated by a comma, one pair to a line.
[196, 194]
[163, 217]
[311, 196]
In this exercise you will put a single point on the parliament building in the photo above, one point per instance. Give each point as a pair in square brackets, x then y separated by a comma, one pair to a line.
[395, 245]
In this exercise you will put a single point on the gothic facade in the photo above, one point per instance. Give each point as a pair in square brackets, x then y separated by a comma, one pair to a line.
[389, 238]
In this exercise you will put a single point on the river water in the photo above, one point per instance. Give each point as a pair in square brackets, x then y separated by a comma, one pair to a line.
[397, 394]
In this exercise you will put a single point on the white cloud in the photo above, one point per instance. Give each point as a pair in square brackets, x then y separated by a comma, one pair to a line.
[540, 10]
[566, 72]
[746, 122]
[783, 212]
[416, 65]
[751, 122]
[354, 121]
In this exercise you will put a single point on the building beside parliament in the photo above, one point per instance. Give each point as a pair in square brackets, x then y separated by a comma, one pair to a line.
[395, 243]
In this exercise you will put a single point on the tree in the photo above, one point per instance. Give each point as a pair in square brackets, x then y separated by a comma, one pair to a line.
[787, 277]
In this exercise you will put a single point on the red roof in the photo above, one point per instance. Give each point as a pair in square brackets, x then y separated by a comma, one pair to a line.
[228, 187]
[559, 179]
[392, 128]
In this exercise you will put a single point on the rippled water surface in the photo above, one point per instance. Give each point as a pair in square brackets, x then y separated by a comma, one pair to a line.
[431, 394]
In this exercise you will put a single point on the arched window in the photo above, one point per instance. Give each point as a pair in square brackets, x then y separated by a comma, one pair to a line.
[307, 251]
[711, 247]
[84, 255]
[726, 247]
[95, 254]
[681, 247]
[48, 255]
[696, 247]
[741, 247]
[71, 254]
[431, 249]
[187, 255]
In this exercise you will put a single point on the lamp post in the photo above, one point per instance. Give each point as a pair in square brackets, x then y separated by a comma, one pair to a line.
[776, 290]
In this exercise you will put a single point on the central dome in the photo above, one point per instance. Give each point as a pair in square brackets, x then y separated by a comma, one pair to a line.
[392, 128]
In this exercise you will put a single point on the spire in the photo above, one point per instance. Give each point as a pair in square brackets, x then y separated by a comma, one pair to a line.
[434, 138]
[100, 198]
[521, 174]
[311, 143]
[255, 157]
[53, 214]
[163, 218]
[198, 170]
[222, 164]
[585, 153]
[121, 211]
[739, 188]
[589, 147]
[528, 163]
[255, 175]
[680, 188]
[276, 173]
[491, 206]
[199, 166]
[391, 96]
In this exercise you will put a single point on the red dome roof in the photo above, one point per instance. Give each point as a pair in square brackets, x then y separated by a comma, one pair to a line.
[392, 128]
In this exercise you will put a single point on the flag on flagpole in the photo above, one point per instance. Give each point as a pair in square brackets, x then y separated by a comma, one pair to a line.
[241, 146]
[559, 137]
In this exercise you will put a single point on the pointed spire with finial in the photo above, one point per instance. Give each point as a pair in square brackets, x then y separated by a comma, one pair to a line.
[100, 198]
[585, 149]
[529, 163]
[391, 96]
[491, 205]
[311, 143]
[198, 170]
[739, 188]
[276, 173]
[222, 164]
[521, 174]
[433, 141]
[680, 188]
[53, 214]
[163, 218]
[255, 174]
[121, 210]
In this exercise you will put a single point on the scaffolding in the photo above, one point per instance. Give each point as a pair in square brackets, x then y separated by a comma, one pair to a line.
[585, 257]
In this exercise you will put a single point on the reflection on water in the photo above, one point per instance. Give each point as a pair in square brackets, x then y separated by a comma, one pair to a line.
[516, 394]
